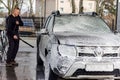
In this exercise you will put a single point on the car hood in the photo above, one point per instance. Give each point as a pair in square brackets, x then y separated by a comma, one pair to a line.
[80, 39]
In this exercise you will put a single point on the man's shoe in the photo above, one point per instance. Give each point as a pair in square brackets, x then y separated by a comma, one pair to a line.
[9, 65]
[14, 63]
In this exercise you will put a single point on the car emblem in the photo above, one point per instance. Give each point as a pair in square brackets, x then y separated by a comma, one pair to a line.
[98, 52]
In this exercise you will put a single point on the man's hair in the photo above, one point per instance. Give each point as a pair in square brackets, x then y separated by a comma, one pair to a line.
[17, 8]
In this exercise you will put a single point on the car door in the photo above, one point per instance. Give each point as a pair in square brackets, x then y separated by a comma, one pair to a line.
[44, 42]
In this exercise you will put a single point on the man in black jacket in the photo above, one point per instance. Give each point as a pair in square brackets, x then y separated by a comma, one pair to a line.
[13, 22]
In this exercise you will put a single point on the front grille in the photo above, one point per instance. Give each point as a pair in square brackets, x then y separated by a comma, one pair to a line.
[83, 72]
[110, 55]
[93, 55]
[86, 55]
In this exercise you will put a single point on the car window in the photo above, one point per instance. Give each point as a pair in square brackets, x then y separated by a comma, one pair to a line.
[84, 24]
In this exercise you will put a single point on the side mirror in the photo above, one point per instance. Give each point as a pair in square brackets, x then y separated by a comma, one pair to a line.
[43, 32]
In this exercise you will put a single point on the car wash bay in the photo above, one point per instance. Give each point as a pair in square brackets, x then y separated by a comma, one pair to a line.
[27, 69]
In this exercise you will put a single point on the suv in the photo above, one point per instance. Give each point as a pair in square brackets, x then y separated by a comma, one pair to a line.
[75, 46]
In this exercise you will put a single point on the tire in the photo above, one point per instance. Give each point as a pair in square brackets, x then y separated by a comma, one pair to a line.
[52, 76]
[49, 74]
[39, 60]
[0, 58]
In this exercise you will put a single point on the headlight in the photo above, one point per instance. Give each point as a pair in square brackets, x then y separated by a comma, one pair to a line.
[67, 51]
[66, 58]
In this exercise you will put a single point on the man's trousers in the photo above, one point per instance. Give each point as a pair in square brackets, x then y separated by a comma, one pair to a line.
[12, 49]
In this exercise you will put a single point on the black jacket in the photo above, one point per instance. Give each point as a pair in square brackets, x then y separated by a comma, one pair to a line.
[11, 26]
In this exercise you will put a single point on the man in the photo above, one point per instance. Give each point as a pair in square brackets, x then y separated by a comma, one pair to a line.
[13, 22]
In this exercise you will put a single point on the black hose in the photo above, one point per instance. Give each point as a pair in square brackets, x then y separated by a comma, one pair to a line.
[26, 43]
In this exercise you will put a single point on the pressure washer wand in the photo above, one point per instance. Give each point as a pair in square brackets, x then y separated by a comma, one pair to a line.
[26, 43]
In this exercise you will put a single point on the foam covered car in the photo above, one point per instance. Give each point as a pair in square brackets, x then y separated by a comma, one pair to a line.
[75, 46]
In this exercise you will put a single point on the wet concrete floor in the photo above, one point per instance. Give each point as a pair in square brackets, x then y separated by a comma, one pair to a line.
[26, 58]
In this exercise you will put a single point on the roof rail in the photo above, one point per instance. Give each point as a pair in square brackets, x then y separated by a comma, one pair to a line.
[56, 12]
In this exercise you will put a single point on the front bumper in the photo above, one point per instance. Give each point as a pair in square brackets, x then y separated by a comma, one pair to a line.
[78, 69]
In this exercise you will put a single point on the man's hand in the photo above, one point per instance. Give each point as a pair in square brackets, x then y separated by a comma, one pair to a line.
[17, 22]
[15, 37]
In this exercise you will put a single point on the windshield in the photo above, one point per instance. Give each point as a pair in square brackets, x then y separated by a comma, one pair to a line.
[82, 24]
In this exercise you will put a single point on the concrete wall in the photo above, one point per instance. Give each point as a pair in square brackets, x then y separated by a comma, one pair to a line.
[118, 21]
[64, 6]
[38, 8]
[50, 6]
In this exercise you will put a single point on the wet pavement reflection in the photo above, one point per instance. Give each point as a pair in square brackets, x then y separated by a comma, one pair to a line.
[10, 73]
[26, 58]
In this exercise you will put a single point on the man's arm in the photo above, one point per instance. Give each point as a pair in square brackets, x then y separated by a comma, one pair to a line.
[9, 26]
[20, 21]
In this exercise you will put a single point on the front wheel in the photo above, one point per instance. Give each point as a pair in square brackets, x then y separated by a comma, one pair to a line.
[39, 60]
[52, 76]
[49, 74]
